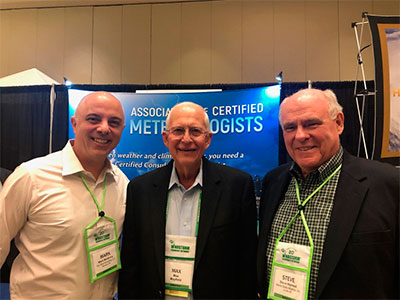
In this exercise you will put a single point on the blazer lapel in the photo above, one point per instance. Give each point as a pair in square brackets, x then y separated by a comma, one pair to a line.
[350, 194]
[158, 204]
[272, 196]
[209, 203]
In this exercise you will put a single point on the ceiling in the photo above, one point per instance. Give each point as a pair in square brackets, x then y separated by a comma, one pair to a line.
[18, 4]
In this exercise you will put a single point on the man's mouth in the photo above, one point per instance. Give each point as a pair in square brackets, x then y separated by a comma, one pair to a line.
[187, 150]
[101, 141]
[305, 148]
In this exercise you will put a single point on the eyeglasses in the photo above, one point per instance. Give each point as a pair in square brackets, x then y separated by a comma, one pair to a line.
[179, 132]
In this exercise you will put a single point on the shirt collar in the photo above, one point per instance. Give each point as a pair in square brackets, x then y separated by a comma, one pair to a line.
[174, 180]
[323, 171]
[72, 165]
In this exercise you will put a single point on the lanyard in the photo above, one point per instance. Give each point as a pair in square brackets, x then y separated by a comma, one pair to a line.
[101, 240]
[198, 213]
[101, 206]
[302, 205]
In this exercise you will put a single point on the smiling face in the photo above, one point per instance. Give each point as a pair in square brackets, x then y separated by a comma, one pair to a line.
[187, 150]
[98, 124]
[311, 135]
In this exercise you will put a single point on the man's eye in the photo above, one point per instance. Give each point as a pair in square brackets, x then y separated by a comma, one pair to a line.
[92, 119]
[178, 131]
[311, 125]
[289, 128]
[195, 131]
[114, 123]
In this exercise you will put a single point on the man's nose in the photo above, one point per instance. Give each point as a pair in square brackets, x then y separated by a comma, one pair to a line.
[301, 133]
[103, 128]
[186, 136]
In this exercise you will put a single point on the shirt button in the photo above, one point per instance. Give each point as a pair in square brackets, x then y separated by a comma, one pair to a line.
[185, 198]
[184, 223]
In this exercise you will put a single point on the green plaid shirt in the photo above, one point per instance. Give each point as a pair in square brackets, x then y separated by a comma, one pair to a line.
[317, 213]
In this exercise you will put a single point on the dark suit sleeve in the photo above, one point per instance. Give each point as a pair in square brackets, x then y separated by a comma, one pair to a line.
[127, 276]
[247, 241]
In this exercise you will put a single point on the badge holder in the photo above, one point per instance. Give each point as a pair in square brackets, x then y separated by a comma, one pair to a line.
[180, 272]
[179, 264]
[290, 275]
[291, 266]
[102, 247]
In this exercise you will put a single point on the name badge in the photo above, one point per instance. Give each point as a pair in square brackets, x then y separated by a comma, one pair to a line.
[179, 275]
[290, 272]
[179, 264]
[102, 248]
[177, 246]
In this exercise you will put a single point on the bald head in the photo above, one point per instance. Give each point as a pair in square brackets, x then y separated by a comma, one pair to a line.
[326, 97]
[99, 98]
[188, 107]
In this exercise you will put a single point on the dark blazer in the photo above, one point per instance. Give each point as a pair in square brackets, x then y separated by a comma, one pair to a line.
[361, 252]
[225, 263]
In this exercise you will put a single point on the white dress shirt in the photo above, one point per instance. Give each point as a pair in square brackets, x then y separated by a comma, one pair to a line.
[46, 207]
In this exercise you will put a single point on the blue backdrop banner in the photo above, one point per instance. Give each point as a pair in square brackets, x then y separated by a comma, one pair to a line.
[244, 123]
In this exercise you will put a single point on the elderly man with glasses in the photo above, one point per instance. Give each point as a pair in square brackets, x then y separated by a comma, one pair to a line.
[190, 227]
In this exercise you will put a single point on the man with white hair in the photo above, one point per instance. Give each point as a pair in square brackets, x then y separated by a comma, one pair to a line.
[329, 222]
[190, 230]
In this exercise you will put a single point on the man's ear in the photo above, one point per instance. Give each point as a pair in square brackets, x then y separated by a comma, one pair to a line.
[340, 122]
[165, 138]
[73, 123]
[209, 136]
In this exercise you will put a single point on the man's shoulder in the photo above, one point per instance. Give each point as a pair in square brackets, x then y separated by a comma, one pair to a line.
[224, 170]
[352, 163]
[43, 163]
[162, 172]
[279, 171]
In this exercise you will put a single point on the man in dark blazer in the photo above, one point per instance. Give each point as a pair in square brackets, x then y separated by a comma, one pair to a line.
[359, 251]
[223, 206]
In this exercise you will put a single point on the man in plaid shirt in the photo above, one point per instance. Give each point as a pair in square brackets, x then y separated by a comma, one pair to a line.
[329, 222]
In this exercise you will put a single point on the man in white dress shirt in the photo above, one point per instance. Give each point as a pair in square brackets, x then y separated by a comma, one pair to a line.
[66, 211]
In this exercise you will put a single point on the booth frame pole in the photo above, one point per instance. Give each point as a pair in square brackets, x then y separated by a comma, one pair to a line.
[364, 93]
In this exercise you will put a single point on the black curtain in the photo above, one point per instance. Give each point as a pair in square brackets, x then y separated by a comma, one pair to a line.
[25, 119]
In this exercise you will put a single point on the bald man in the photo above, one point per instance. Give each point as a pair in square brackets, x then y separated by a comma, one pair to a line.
[66, 211]
[190, 229]
[329, 221]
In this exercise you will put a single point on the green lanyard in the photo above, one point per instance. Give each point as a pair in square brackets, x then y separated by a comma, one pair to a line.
[198, 213]
[301, 206]
[108, 244]
[99, 207]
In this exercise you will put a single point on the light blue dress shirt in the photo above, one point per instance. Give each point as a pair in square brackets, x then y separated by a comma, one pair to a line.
[182, 209]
